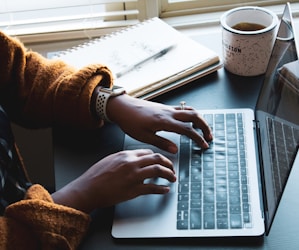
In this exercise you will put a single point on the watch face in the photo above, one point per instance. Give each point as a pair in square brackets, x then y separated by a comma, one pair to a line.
[117, 90]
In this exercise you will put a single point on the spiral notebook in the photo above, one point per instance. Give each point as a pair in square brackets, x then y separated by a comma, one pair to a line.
[147, 59]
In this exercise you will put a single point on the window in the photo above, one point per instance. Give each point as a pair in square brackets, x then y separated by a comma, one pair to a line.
[171, 8]
[20, 17]
[38, 20]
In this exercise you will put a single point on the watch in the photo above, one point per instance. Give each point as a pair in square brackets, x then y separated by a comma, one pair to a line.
[102, 98]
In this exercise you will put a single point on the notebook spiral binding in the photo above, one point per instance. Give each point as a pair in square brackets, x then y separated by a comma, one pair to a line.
[102, 38]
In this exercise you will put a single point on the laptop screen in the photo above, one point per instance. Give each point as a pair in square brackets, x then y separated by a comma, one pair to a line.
[277, 115]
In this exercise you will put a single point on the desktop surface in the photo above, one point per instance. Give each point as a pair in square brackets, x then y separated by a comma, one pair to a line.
[74, 153]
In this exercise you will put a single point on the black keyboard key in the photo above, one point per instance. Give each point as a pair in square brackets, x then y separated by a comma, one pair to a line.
[208, 174]
[233, 175]
[208, 158]
[221, 206]
[195, 204]
[219, 118]
[209, 118]
[245, 198]
[220, 164]
[246, 218]
[236, 221]
[222, 223]
[232, 159]
[183, 197]
[221, 196]
[184, 187]
[220, 172]
[232, 151]
[184, 162]
[195, 187]
[208, 165]
[209, 207]
[221, 188]
[246, 207]
[183, 205]
[236, 209]
[232, 144]
[222, 214]
[209, 220]
[234, 200]
[183, 215]
[233, 183]
[196, 161]
[182, 224]
[195, 219]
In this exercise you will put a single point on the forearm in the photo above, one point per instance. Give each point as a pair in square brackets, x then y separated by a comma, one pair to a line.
[76, 194]
[37, 92]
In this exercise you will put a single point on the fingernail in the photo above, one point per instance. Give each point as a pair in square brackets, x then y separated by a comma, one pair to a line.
[206, 145]
[173, 149]
[166, 190]
[210, 137]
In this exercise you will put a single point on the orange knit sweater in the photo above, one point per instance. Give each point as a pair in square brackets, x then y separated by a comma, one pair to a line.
[37, 92]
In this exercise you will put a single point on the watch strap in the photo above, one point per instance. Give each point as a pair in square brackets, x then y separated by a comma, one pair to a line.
[103, 94]
[101, 103]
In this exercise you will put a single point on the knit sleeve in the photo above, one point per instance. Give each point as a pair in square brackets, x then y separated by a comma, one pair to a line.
[53, 226]
[39, 92]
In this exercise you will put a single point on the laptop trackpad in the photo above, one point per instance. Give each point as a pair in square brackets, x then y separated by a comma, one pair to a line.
[144, 206]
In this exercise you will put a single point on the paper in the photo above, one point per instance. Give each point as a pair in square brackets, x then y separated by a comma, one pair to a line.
[127, 47]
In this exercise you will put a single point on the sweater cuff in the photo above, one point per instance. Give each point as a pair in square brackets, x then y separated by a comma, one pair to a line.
[52, 223]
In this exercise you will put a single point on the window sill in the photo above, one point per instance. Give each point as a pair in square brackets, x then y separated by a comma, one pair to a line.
[186, 24]
[210, 19]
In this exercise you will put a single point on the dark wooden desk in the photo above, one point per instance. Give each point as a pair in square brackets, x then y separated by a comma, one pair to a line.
[74, 152]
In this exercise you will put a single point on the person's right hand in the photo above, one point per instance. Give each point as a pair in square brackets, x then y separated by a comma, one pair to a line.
[142, 120]
[116, 178]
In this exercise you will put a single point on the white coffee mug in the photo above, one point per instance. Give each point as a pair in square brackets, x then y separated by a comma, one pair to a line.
[248, 35]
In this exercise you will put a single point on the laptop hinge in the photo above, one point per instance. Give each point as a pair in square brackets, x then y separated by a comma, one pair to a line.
[260, 165]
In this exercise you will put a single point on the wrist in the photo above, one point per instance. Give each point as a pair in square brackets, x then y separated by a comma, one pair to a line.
[100, 100]
[71, 198]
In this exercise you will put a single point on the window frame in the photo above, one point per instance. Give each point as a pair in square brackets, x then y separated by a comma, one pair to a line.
[189, 7]
[140, 10]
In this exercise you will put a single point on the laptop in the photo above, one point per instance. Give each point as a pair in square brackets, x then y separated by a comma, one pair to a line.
[234, 187]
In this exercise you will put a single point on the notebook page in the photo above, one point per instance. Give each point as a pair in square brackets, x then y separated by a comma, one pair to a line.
[128, 47]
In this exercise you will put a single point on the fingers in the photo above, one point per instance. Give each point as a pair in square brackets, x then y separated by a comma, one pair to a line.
[190, 115]
[154, 189]
[156, 165]
[152, 184]
[153, 166]
[157, 171]
[160, 142]
[148, 157]
[186, 122]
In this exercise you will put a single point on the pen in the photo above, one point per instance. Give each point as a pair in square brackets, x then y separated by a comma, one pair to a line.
[154, 56]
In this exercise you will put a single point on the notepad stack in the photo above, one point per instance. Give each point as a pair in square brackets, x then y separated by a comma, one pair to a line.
[147, 59]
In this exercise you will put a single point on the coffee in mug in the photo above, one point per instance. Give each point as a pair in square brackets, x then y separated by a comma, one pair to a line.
[248, 35]
[248, 26]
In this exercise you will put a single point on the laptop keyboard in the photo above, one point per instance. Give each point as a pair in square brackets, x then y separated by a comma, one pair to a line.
[283, 140]
[213, 187]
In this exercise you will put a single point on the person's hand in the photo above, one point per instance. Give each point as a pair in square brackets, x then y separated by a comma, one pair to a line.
[116, 178]
[143, 119]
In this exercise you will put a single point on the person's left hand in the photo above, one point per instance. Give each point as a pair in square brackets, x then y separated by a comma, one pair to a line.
[143, 119]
